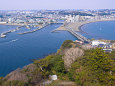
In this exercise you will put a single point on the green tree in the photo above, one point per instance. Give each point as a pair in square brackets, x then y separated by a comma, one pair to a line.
[67, 44]
[52, 64]
[101, 65]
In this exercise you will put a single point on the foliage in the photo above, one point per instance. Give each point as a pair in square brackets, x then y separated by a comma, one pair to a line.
[52, 64]
[67, 44]
[15, 83]
[112, 55]
[100, 64]
[1, 80]
[112, 41]
[95, 68]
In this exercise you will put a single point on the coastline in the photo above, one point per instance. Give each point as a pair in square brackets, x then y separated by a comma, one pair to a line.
[36, 56]
[3, 35]
[87, 23]
[77, 25]
[80, 30]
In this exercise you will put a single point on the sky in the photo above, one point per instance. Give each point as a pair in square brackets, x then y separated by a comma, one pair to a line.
[56, 4]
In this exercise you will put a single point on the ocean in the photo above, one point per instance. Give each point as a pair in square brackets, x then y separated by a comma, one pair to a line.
[99, 30]
[16, 50]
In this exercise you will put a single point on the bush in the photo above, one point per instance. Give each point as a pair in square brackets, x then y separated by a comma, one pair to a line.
[67, 44]
[95, 68]
[52, 64]
[14, 83]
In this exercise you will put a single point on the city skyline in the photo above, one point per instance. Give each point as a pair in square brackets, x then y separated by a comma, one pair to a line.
[56, 4]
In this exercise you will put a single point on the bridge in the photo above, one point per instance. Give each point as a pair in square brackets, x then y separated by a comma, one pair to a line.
[77, 35]
[73, 32]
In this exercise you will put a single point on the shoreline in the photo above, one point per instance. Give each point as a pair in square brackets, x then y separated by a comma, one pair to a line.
[3, 35]
[65, 30]
[32, 58]
[80, 30]
[77, 26]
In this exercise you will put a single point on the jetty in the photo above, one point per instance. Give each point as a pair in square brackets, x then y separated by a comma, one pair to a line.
[3, 35]
[34, 30]
[30, 31]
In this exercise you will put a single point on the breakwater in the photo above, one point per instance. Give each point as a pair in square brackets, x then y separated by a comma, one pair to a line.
[3, 35]
[34, 30]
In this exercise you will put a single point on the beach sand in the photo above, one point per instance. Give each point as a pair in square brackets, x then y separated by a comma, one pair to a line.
[77, 25]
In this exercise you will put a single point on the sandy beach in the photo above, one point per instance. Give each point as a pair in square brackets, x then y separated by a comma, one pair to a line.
[77, 25]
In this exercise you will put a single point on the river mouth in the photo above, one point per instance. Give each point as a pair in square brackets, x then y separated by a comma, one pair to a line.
[16, 50]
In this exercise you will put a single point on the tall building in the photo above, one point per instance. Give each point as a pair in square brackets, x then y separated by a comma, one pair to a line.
[73, 18]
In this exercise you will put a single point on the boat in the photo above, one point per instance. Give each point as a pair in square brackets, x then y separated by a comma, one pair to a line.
[14, 40]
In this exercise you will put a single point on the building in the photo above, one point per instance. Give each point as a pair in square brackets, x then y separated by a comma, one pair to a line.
[113, 46]
[97, 42]
[107, 50]
[53, 77]
[74, 18]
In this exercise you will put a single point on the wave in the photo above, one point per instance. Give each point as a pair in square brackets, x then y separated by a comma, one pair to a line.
[9, 41]
[14, 40]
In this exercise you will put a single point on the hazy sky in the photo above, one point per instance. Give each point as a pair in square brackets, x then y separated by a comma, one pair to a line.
[56, 4]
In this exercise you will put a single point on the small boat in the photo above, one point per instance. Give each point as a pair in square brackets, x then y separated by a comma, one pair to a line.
[14, 40]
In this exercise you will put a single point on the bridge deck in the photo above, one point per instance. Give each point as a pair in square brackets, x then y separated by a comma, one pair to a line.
[79, 36]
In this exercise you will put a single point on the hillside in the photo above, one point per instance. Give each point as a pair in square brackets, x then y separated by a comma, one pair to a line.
[74, 64]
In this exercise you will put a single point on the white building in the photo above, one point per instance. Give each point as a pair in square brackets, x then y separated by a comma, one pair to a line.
[97, 42]
[73, 18]
[53, 77]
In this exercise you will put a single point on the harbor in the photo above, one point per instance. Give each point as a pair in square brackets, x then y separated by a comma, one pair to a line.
[34, 29]
[3, 35]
